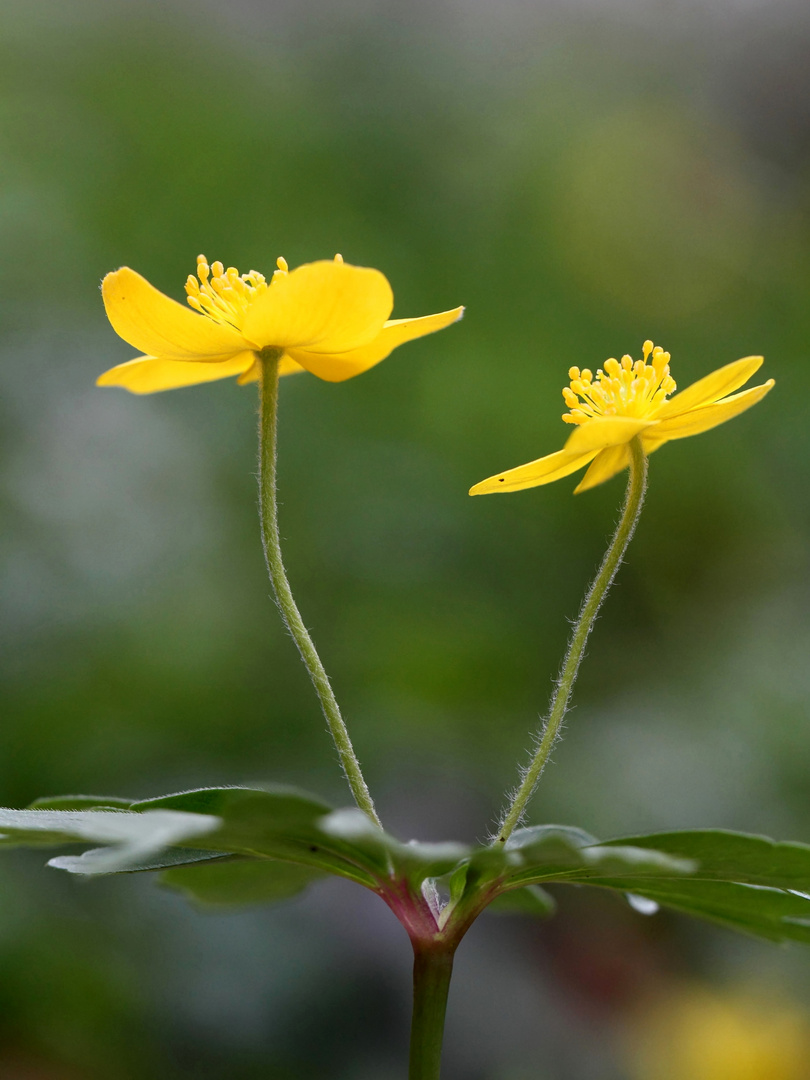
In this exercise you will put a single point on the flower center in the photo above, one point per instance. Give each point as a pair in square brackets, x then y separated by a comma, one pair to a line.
[623, 388]
[225, 295]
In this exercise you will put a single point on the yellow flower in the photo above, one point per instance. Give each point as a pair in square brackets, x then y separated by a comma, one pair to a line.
[694, 1034]
[327, 317]
[626, 399]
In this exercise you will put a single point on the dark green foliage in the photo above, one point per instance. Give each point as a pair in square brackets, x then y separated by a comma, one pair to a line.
[239, 845]
[530, 900]
[722, 855]
[80, 802]
[748, 883]
[228, 882]
[545, 852]
[768, 913]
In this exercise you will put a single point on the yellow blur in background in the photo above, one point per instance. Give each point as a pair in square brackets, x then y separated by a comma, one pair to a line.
[696, 1033]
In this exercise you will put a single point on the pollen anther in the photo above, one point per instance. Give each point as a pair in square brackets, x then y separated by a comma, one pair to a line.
[627, 388]
[225, 295]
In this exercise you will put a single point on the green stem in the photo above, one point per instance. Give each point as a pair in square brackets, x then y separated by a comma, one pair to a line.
[268, 413]
[432, 969]
[634, 499]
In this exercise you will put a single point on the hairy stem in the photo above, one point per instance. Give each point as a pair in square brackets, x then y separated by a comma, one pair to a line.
[634, 499]
[432, 969]
[268, 413]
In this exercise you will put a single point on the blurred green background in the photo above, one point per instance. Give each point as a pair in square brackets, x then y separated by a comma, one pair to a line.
[582, 176]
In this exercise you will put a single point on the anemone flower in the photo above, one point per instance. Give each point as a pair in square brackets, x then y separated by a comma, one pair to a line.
[629, 399]
[327, 317]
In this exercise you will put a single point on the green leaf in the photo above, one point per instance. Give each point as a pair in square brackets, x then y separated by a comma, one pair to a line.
[132, 838]
[279, 822]
[227, 882]
[748, 883]
[284, 823]
[80, 802]
[569, 834]
[486, 865]
[245, 845]
[753, 909]
[290, 806]
[88, 862]
[730, 856]
[414, 860]
[275, 822]
[559, 852]
[529, 900]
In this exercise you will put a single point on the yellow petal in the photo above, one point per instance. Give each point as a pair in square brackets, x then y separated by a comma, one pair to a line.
[323, 306]
[286, 366]
[339, 366]
[543, 471]
[606, 464]
[707, 416]
[159, 326]
[711, 388]
[605, 431]
[148, 374]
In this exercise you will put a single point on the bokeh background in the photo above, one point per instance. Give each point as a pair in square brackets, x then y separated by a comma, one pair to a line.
[582, 174]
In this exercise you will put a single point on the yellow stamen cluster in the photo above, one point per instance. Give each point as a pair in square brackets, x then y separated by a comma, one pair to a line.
[623, 388]
[224, 295]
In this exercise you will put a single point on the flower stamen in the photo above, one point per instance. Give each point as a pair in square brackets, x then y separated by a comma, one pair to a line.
[623, 388]
[225, 295]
